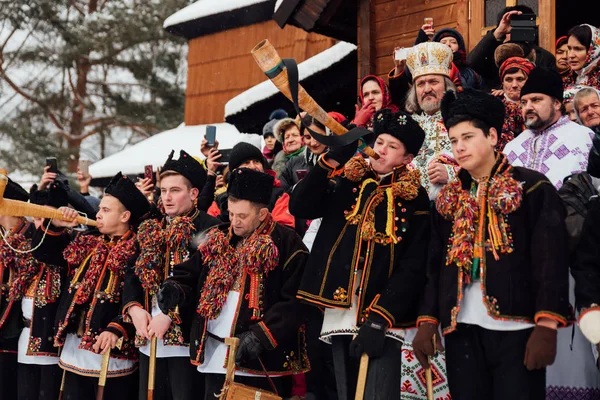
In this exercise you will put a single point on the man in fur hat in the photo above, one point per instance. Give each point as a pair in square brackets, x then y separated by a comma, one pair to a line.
[164, 242]
[242, 282]
[367, 264]
[89, 320]
[552, 144]
[498, 267]
[429, 64]
[16, 233]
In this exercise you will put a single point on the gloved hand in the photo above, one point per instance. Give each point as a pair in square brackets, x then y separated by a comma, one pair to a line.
[589, 323]
[541, 348]
[250, 348]
[343, 153]
[423, 343]
[168, 296]
[370, 340]
[363, 115]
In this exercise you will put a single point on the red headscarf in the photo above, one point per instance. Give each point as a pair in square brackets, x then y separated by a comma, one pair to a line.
[387, 97]
[516, 62]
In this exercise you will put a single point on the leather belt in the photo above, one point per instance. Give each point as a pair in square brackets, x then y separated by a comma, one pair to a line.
[27, 322]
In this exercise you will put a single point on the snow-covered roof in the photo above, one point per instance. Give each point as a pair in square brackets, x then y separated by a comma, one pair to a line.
[205, 8]
[277, 5]
[156, 149]
[266, 89]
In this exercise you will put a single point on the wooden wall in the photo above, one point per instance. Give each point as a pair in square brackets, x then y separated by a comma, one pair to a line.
[220, 65]
[398, 21]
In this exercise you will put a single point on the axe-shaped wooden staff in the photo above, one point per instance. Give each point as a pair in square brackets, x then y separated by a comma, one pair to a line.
[152, 367]
[15, 208]
[361, 382]
[104, 370]
[428, 377]
[271, 64]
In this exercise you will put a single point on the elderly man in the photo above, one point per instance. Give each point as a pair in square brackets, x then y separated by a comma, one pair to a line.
[429, 65]
[586, 104]
[556, 147]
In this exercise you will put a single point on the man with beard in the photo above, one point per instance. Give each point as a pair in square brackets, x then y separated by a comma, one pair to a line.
[556, 147]
[429, 65]
[552, 144]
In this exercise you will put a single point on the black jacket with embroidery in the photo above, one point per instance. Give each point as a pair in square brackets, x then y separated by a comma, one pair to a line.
[530, 282]
[102, 312]
[11, 320]
[393, 274]
[280, 324]
[138, 293]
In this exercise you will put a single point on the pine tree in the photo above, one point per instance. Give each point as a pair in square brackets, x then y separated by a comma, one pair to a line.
[86, 68]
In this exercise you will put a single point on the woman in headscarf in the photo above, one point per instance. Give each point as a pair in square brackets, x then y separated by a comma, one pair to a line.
[374, 96]
[568, 97]
[562, 57]
[514, 72]
[584, 53]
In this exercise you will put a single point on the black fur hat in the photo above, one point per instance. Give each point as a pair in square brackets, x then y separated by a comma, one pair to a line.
[14, 191]
[401, 126]
[251, 185]
[545, 81]
[128, 194]
[55, 196]
[188, 167]
[473, 103]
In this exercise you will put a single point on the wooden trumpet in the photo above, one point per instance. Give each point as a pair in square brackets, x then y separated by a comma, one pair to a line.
[15, 208]
[270, 63]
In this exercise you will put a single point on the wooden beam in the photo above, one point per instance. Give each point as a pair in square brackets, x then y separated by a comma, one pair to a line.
[547, 27]
[366, 38]
[462, 19]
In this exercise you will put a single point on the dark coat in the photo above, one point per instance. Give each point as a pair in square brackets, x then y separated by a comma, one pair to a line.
[102, 312]
[393, 274]
[279, 328]
[135, 294]
[586, 268]
[304, 161]
[530, 282]
[593, 167]
[481, 59]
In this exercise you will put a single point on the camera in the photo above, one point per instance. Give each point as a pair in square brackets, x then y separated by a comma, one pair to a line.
[523, 28]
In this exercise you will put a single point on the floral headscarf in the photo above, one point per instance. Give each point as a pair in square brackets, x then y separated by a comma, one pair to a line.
[592, 58]
[570, 92]
[385, 89]
[516, 62]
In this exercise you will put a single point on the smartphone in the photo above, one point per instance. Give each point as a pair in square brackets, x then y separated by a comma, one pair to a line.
[401, 54]
[301, 173]
[149, 173]
[225, 155]
[53, 164]
[211, 135]
[428, 21]
[84, 167]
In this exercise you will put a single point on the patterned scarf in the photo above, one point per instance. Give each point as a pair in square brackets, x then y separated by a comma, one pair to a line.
[257, 255]
[513, 125]
[100, 253]
[496, 197]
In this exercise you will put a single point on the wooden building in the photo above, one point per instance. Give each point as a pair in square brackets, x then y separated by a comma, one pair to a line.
[220, 36]
[377, 26]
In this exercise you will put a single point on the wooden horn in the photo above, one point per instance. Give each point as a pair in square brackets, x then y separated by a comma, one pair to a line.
[269, 60]
[15, 208]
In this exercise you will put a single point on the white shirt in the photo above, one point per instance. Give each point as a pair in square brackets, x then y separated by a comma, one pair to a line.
[162, 350]
[88, 363]
[27, 307]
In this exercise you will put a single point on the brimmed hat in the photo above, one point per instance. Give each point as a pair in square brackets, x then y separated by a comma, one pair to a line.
[188, 167]
[124, 190]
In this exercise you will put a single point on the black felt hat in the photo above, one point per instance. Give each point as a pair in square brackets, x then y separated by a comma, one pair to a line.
[473, 103]
[251, 185]
[243, 152]
[545, 81]
[55, 196]
[188, 167]
[128, 194]
[401, 126]
[14, 191]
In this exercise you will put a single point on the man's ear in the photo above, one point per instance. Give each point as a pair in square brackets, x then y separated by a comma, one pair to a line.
[126, 216]
[409, 158]
[493, 135]
[194, 192]
[262, 214]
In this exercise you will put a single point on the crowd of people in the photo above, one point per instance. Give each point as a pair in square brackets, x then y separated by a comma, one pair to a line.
[466, 245]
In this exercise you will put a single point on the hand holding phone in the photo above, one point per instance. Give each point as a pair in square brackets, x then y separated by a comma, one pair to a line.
[211, 135]
[149, 173]
[52, 165]
[84, 167]
[428, 26]
[401, 54]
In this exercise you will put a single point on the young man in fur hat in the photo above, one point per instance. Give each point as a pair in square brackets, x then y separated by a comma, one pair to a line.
[242, 282]
[498, 264]
[164, 242]
[16, 233]
[429, 64]
[367, 264]
[89, 320]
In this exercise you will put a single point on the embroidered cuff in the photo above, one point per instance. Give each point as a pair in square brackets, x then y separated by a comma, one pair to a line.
[49, 230]
[125, 312]
[562, 321]
[374, 307]
[174, 316]
[427, 318]
[592, 307]
[328, 167]
[117, 329]
[264, 335]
